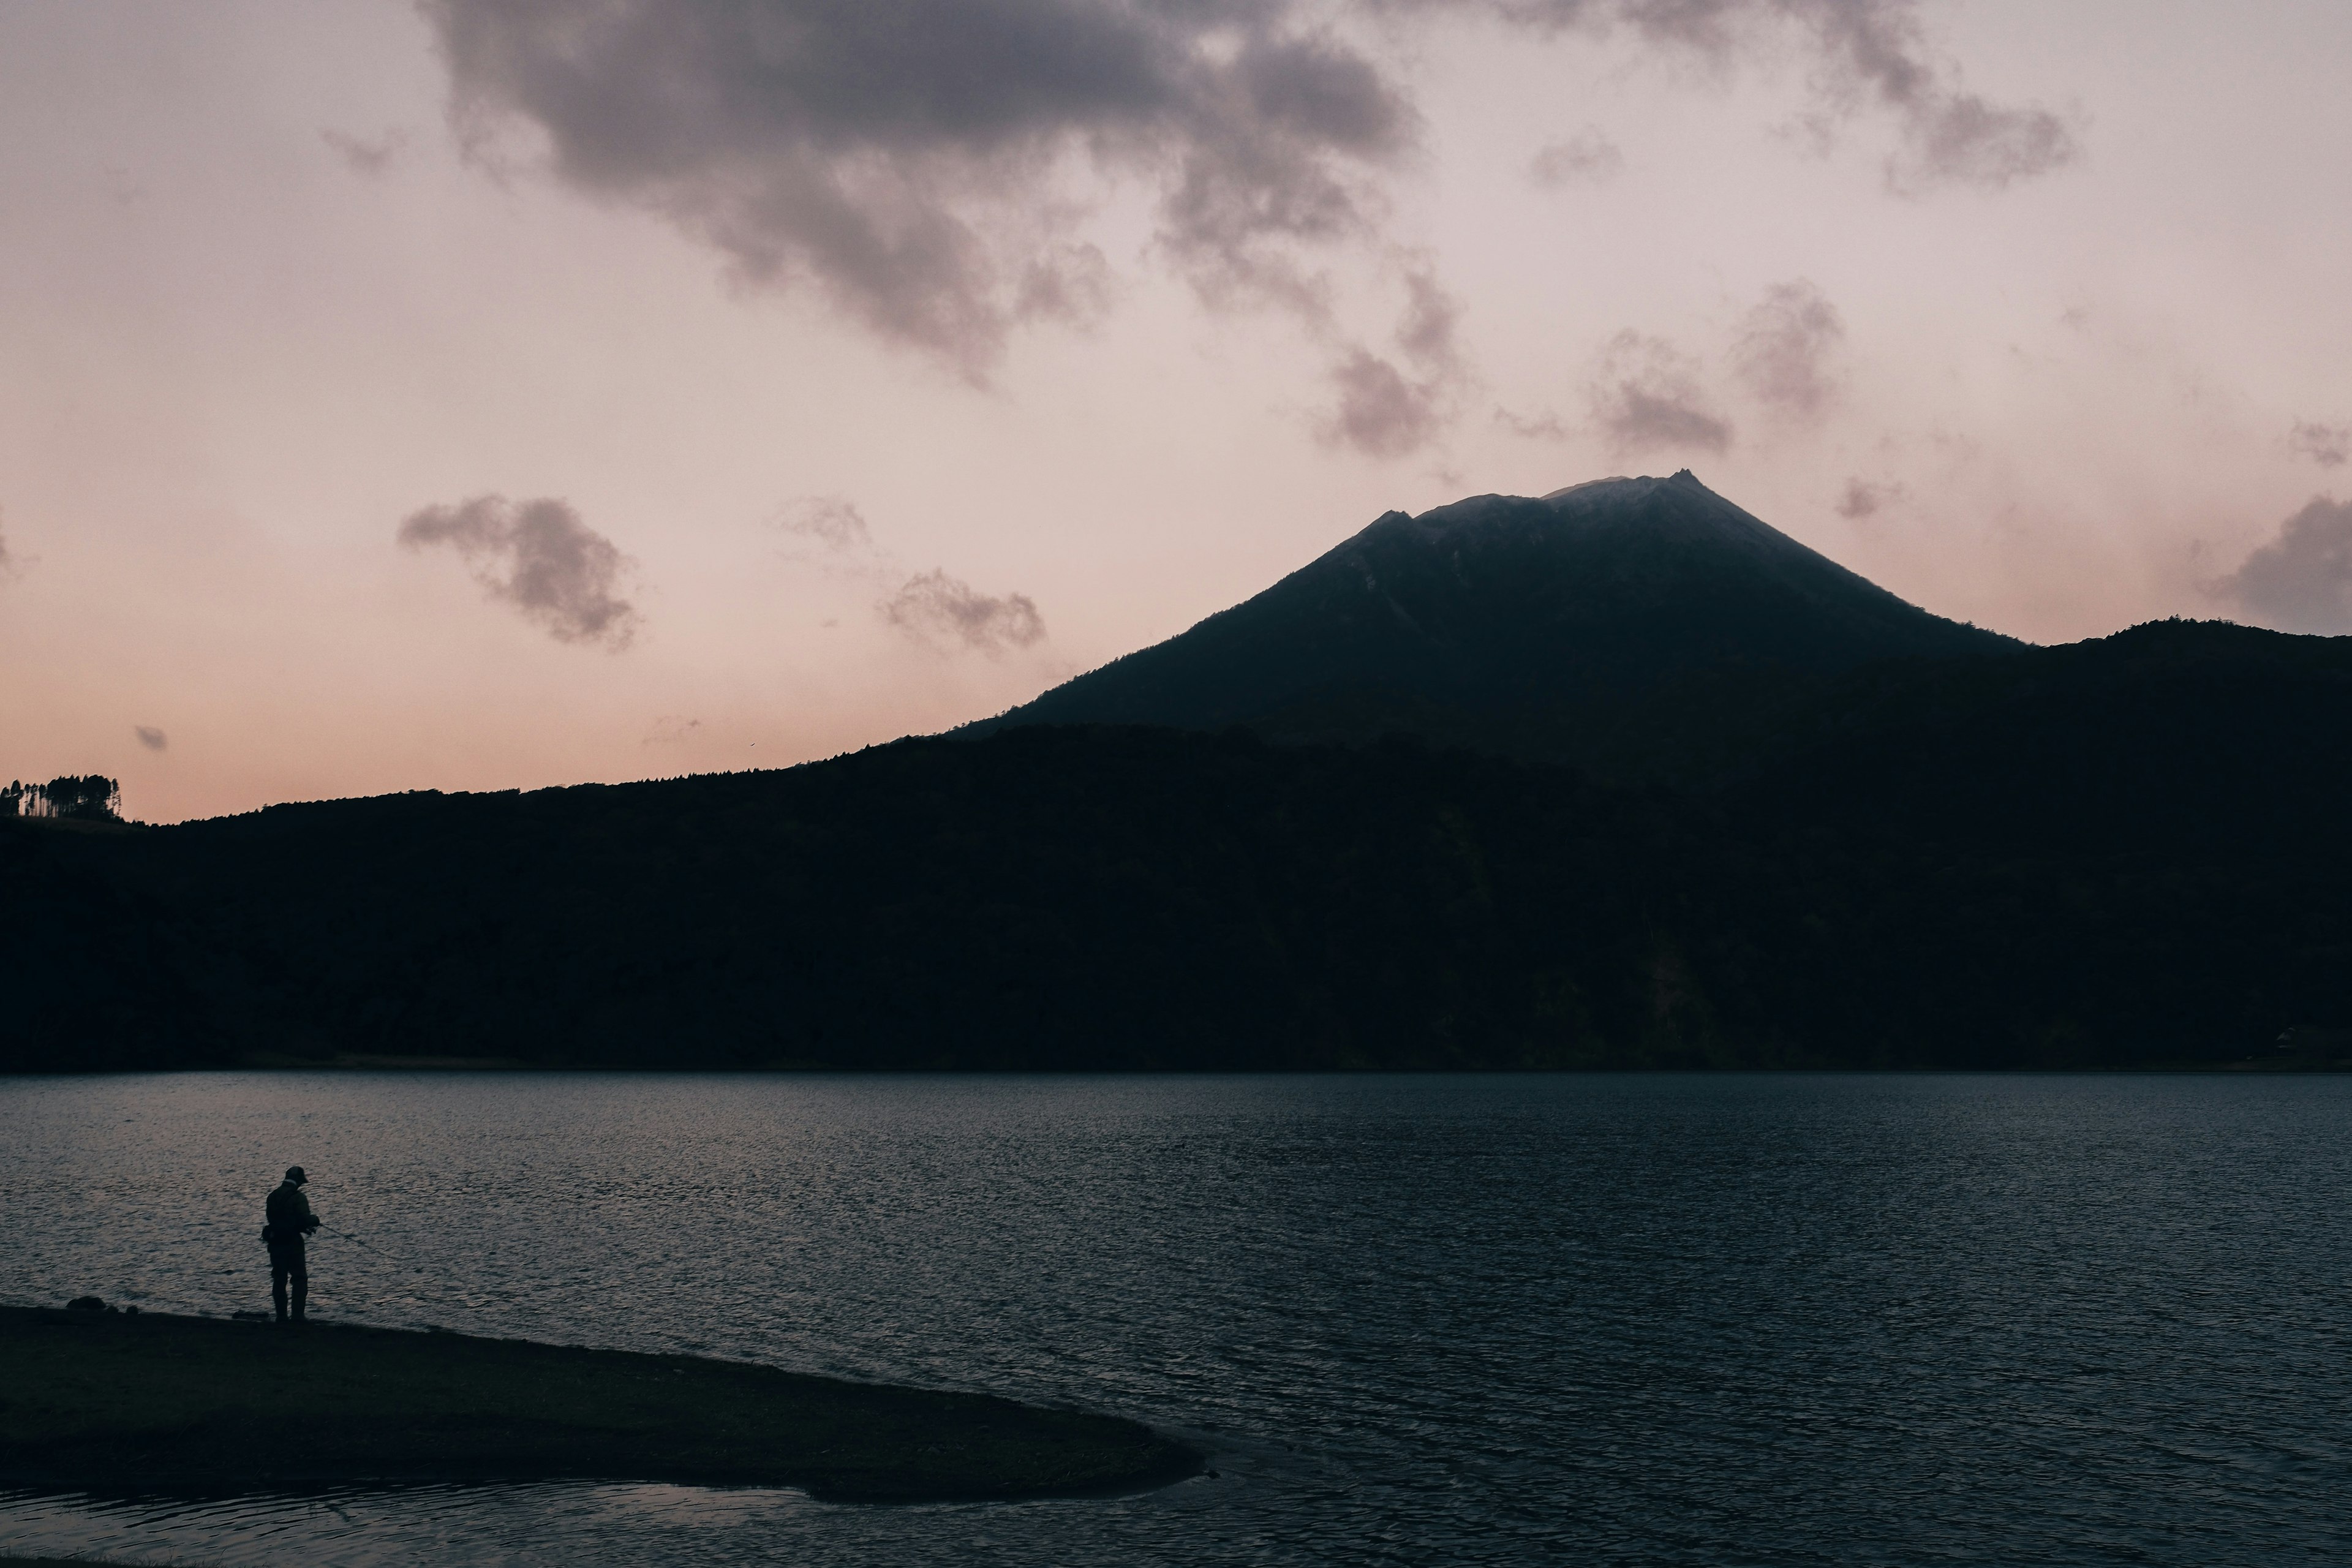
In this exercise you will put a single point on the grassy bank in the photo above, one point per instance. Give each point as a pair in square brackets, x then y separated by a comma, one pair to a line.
[151, 1402]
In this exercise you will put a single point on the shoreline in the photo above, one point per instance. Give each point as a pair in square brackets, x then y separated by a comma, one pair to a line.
[110, 1402]
[255, 1062]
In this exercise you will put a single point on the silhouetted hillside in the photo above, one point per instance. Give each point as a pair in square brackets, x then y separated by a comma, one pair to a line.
[1636, 627]
[1051, 898]
[2133, 850]
[2138, 844]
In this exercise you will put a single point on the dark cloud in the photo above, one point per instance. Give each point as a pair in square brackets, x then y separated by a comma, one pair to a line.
[921, 163]
[2327, 444]
[364, 158]
[1784, 347]
[149, 737]
[894, 152]
[1862, 498]
[937, 607]
[1385, 412]
[1648, 395]
[1587, 158]
[540, 557]
[2300, 581]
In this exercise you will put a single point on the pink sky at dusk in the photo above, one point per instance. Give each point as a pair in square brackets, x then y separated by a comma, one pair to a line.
[463, 397]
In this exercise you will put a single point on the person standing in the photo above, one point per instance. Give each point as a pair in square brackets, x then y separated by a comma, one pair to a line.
[290, 1219]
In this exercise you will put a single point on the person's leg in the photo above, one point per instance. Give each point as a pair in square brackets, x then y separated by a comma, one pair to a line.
[300, 1271]
[278, 1271]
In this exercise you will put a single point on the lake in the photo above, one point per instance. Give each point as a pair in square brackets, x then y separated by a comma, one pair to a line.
[1480, 1318]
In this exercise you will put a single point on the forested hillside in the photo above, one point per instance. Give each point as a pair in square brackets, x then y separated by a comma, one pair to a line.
[2130, 851]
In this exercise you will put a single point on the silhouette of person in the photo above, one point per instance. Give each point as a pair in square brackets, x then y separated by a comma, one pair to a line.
[290, 1219]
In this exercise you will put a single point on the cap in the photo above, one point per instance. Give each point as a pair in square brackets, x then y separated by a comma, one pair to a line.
[294, 1173]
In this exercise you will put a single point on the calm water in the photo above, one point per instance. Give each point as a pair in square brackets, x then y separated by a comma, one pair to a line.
[1656, 1320]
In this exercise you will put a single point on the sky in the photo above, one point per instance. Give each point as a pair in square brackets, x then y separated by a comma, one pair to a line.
[473, 396]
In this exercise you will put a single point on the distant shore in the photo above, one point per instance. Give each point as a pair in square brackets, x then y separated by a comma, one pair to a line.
[105, 1402]
[2332, 1061]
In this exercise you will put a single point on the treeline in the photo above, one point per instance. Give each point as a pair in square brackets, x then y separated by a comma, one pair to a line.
[91, 798]
[2131, 852]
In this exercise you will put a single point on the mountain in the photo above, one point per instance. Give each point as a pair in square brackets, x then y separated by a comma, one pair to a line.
[1636, 627]
[2128, 851]
[1881, 839]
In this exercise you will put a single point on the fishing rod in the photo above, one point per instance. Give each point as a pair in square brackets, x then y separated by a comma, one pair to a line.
[380, 1252]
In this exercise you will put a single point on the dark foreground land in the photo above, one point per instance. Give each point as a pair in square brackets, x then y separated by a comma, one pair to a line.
[109, 1401]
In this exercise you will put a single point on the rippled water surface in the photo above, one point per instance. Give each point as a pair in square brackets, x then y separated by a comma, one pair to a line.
[1673, 1320]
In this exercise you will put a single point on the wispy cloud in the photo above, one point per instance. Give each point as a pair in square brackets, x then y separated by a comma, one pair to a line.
[827, 525]
[1587, 158]
[937, 607]
[1874, 52]
[1546, 426]
[1389, 410]
[2327, 444]
[671, 729]
[931, 606]
[149, 737]
[369, 159]
[1783, 354]
[1868, 55]
[537, 556]
[1647, 395]
[1862, 499]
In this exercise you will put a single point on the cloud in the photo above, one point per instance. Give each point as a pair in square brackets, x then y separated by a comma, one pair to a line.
[2300, 581]
[1862, 498]
[922, 164]
[1873, 50]
[929, 607]
[1382, 411]
[1784, 346]
[1866, 54]
[937, 607]
[1587, 158]
[2327, 444]
[1647, 395]
[671, 730]
[898, 154]
[540, 557]
[1959, 139]
[369, 159]
[1544, 426]
[1379, 413]
[833, 524]
[149, 737]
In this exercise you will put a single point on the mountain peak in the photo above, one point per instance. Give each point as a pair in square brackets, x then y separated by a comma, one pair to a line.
[1641, 485]
[1542, 626]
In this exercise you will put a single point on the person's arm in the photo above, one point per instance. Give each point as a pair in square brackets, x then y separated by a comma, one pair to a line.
[309, 1220]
